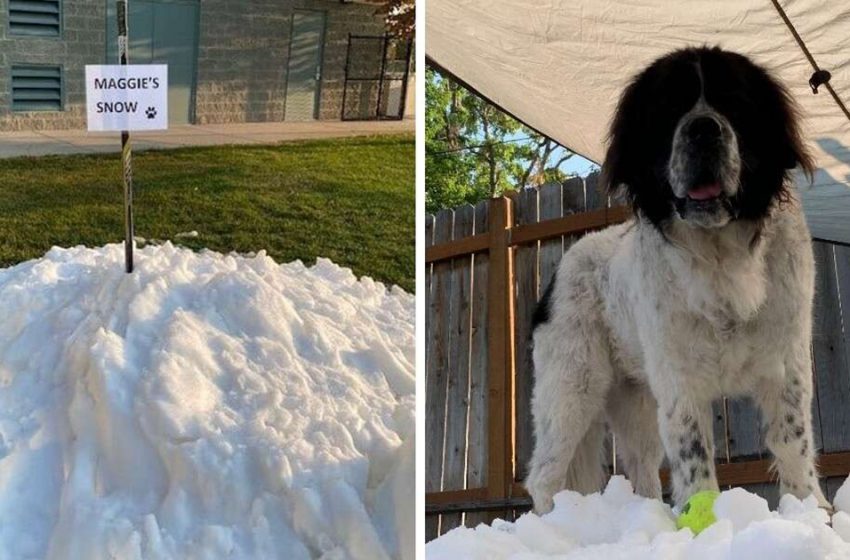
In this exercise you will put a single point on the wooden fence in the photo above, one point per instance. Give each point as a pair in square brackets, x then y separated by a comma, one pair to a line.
[486, 266]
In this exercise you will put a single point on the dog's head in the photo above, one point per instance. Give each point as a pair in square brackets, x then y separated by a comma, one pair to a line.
[706, 136]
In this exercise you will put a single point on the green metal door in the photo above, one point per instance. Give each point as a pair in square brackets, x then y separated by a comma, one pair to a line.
[175, 41]
[163, 32]
[304, 74]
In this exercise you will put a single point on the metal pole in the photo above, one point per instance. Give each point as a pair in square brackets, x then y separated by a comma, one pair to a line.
[345, 81]
[381, 77]
[405, 80]
[126, 150]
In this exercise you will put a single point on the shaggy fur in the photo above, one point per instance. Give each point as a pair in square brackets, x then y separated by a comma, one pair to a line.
[706, 292]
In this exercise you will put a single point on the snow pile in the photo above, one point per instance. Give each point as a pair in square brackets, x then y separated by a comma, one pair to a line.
[206, 406]
[618, 525]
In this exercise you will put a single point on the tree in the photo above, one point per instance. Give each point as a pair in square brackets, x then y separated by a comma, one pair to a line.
[400, 16]
[544, 163]
[473, 150]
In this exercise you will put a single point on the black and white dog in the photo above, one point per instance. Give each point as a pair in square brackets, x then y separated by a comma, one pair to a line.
[706, 292]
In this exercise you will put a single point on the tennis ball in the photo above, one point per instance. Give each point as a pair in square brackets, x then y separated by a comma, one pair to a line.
[698, 512]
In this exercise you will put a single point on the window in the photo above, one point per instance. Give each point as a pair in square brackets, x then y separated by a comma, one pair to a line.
[34, 17]
[36, 88]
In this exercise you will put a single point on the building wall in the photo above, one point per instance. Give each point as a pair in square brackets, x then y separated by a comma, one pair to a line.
[242, 51]
[242, 76]
[241, 67]
[82, 42]
[356, 19]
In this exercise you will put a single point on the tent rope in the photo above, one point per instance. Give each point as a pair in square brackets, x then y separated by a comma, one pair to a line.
[819, 77]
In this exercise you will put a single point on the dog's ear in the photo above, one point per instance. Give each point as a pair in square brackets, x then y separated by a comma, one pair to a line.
[618, 169]
[792, 146]
[782, 144]
[630, 164]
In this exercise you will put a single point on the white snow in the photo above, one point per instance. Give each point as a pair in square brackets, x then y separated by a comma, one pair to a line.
[741, 508]
[206, 406]
[619, 525]
[842, 498]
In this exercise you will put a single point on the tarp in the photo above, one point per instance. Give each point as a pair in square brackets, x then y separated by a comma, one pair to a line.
[559, 66]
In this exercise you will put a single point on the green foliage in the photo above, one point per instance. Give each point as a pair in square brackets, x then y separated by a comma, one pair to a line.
[348, 200]
[474, 151]
[400, 17]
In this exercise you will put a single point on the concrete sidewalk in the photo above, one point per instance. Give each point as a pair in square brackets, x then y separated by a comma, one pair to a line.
[39, 143]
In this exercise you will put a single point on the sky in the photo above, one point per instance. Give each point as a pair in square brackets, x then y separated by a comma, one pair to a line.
[578, 165]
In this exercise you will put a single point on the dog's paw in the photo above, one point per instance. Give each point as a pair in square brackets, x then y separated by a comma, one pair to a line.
[543, 505]
[541, 496]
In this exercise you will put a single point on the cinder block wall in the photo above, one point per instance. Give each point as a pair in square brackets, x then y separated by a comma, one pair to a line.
[82, 42]
[242, 61]
[244, 51]
[357, 19]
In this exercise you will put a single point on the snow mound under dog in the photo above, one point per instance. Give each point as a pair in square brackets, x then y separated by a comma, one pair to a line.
[619, 525]
[205, 406]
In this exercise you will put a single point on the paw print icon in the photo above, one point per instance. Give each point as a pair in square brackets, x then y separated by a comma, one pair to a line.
[150, 112]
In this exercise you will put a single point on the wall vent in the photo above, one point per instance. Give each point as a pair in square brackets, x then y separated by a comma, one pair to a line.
[36, 88]
[34, 17]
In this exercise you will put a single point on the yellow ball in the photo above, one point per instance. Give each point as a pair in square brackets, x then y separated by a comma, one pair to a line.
[698, 512]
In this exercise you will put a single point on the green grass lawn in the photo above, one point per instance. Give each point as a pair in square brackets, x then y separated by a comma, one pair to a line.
[349, 200]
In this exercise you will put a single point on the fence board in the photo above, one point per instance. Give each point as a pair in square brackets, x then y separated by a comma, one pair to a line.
[744, 418]
[551, 250]
[437, 374]
[829, 349]
[593, 194]
[432, 522]
[429, 323]
[842, 381]
[573, 197]
[816, 425]
[830, 352]
[573, 202]
[833, 483]
[457, 398]
[501, 352]
[744, 438]
[526, 275]
[476, 469]
[720, 429]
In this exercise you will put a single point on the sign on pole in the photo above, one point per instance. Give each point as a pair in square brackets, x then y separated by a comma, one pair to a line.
[126, 97]
[131, 97]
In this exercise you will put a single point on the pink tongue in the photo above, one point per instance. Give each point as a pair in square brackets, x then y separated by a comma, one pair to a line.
[704, 192]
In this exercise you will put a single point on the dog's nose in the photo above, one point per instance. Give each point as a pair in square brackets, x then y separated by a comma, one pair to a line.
[704, 128]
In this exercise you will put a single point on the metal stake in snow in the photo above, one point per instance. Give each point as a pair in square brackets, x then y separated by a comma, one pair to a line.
[126, 150]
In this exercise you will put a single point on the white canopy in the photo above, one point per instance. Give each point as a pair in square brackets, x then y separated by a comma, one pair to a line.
[560, 65]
